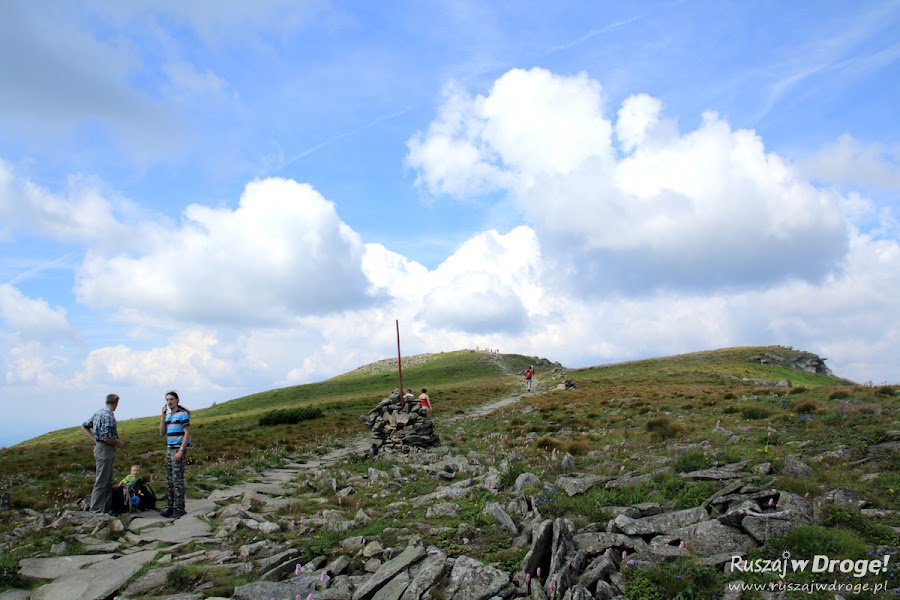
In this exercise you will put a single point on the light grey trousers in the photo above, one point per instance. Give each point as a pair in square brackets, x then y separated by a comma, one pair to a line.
[101, 497]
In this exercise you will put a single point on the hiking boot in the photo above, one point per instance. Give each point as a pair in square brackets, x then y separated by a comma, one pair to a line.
[167, 513]
[178, 513]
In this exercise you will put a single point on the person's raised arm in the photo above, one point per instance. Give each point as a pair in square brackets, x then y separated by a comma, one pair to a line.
[162, 421]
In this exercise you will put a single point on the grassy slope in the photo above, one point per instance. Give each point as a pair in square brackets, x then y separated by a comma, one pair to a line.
[687, 389]
[683, 411]
[57, 465]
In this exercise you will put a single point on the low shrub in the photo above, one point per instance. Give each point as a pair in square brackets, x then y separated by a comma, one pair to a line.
[807, 407]
[682, 579]
[578, 447]
[663, 428]
[508, 477]
[694, 460]
[810, 540]
[756, 412]
[839, 394]
[549, 443]
[290, 416]
[874, 533]
[9, 572]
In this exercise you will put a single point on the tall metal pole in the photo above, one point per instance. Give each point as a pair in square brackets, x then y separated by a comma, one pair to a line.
[399, 366]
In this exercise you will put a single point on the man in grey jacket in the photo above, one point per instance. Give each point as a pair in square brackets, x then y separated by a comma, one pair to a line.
[101, 430]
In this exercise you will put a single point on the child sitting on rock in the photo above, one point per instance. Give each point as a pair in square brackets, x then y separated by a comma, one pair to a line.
[133, 476]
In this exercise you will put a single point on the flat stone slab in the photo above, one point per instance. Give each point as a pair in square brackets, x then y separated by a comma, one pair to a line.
[186, 528]
[227, 494]
[200, 507]
[100, 580]
[279, 475]
[15, 594]
[269, 489]
[153, 578]
[140, 523]
[54, 568]
[264, 492]
[313, 464]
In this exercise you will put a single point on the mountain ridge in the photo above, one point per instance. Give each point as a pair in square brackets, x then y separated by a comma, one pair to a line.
[622, 435]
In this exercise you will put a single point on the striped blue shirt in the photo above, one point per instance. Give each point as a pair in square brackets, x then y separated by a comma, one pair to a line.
[103, 423]
[175, 424]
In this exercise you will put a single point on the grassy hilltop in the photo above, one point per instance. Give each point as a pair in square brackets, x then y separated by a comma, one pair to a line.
[51, 468]
[687, 412]
[645, 403]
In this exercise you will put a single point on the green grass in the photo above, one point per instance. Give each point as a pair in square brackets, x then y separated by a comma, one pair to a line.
[227, 435]
[653, 419]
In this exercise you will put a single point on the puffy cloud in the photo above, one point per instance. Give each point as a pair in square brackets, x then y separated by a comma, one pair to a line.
[82, 214]
[848, 161]
[33, 319]
[707, 208]
[448, 156]
[282, 252]
[531, 123]
[475, 303]
[541, 123]
[639, 122]
[390, 271]
[194, 359]
[487, 286]
[29, 363]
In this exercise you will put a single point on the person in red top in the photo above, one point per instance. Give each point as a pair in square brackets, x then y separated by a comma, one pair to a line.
[529, 373]
[426, 402]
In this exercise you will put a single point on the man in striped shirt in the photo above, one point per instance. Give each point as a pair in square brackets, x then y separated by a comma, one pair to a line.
[175, 424]
[102, 431]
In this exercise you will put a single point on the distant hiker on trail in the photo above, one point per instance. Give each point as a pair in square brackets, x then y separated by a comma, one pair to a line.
[529, 373]
[101, 430]
[177, 429]
[425, 400]
[132, 476]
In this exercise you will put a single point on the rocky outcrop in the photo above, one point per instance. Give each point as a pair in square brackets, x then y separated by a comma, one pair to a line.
[562, 561]
[794, 359]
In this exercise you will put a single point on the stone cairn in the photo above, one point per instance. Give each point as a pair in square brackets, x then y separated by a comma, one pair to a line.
[399, 426]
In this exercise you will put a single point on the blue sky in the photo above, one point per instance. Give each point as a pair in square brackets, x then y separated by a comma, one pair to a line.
[226, 197]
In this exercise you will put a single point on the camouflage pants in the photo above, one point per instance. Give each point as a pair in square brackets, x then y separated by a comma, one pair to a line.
[175, 477]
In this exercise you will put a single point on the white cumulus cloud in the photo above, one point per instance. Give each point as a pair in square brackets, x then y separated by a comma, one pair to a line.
[848, 161]
[282, 252]
[33, 319]
[710, 207]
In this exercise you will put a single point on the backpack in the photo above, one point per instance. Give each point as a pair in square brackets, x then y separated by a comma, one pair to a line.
[139, 496]
[119, 504]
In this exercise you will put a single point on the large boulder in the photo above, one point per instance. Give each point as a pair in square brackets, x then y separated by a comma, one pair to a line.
[472, 580]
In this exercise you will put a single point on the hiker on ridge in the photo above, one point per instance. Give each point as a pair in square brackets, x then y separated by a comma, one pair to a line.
[101, 430]
[177, 429]
[529, 373]
[408, 399]
[425, 400]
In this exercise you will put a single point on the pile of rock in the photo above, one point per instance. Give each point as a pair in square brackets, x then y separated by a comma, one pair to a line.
[399, 426]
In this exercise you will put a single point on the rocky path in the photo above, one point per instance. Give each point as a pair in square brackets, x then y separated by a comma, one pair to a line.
[117, 549]
[232, 531]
